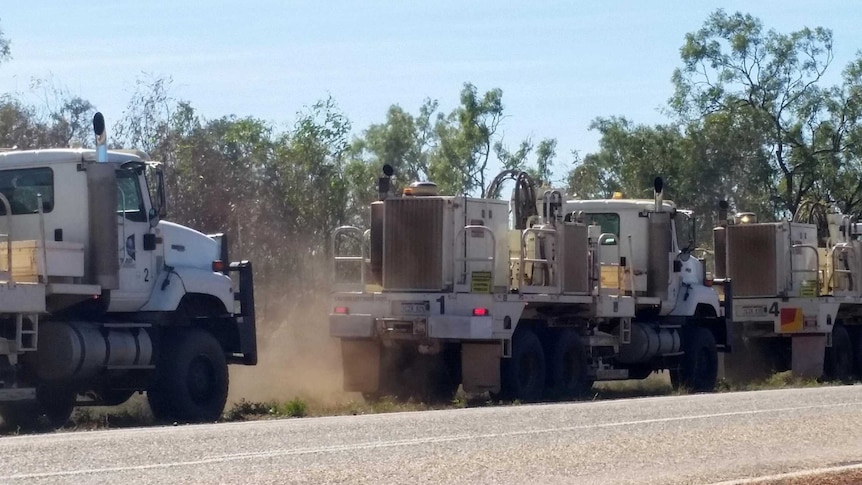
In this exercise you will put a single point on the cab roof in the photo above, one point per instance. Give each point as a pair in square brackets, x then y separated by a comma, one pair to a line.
[615, 205]
[55, 156]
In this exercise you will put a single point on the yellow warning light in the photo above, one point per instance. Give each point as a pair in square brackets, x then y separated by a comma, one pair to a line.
[617, 195]
[746, 218]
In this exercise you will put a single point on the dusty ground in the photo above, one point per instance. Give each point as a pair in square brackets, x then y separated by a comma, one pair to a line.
[297, 358]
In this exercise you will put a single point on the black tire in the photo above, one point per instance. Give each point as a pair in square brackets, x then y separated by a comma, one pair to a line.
[393, 382]
[52, 409]
[57, 404]
[523, 375]
[698, 366]
[406, 374]
[856, 336]
[838, 360]
[567, 367]
[23, 415]
[191, 381]
[442, 375]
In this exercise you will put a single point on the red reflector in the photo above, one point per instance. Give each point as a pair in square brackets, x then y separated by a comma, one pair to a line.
[341, 310]
[480, 312]
[218, 266]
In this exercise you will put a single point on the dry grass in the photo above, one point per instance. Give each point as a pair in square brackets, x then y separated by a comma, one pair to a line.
[136, 412]
[656, 384]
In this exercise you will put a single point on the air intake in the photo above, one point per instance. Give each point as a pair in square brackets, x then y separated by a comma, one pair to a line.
[752, 258]
[412, 244]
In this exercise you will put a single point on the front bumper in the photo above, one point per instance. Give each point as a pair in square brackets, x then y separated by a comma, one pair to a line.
[435, 326]
[245, 319]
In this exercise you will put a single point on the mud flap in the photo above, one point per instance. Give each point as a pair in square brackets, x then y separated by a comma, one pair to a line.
[808, 355]
[245, 320]
[480, 364]
[361, 363]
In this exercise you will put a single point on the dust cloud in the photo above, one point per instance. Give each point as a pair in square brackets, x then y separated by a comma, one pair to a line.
[296, 357]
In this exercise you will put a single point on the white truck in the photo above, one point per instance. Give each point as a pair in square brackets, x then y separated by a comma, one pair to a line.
[444, 291]
[798, 294]
[100, 297]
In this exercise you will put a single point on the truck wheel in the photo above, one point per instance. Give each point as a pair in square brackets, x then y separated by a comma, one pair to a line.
[191, 381]
[698, 369]
[20, 415]
[439, 376]
[523, 375]
[406, 374]
[53, 408]
[567, 365]
[856, 337]
[57, 404]
[392, 384]
[838, 360]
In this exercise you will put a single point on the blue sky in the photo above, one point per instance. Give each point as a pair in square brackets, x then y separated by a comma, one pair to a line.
[559, 64]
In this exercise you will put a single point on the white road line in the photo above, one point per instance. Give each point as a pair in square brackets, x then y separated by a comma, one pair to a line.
[792, 475]
[407, 442]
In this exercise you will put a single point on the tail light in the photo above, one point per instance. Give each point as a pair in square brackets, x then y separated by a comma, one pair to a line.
[218, 266]
[341, 310]
[481, 312]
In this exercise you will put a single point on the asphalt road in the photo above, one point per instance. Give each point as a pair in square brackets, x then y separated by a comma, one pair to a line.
[680, 439]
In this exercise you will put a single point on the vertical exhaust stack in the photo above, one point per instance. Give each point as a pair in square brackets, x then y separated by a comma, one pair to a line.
[384, 184]
[722, 213]
[719, 241]
[101, 138]
[659, 246]
[103, 250]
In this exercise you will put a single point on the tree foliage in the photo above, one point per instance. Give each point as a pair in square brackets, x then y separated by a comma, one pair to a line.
[5, 49]
[733, 66]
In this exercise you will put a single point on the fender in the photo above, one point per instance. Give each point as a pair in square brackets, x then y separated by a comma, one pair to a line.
[697, 295]
[172, 285]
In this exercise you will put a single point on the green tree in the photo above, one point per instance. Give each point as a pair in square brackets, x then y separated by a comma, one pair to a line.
[146, 121]
[5, 50]
[465, 139]
[20, 126]
[402, 141]
[629, 158]
[454, 150]
[733, 65]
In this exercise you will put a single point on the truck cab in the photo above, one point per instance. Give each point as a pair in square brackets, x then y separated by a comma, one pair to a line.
[130, 302]
[647, 253]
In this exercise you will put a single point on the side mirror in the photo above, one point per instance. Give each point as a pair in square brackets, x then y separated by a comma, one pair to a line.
[152, 216]
[160, 193]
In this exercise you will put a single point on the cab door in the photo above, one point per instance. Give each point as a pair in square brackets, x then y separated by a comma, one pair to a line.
[136, 262]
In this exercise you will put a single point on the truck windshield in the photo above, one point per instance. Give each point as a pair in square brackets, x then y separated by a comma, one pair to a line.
[609, 222]
[129, 201]
[23, 187]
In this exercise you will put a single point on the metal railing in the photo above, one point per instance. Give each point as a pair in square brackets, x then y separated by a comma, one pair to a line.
[466, 274]
[816, 269]
[549, 264]
[337, 258]
[599, 264]
[847, 251]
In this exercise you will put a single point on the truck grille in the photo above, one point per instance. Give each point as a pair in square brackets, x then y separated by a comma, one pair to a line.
[752, 259]
[412, 244]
